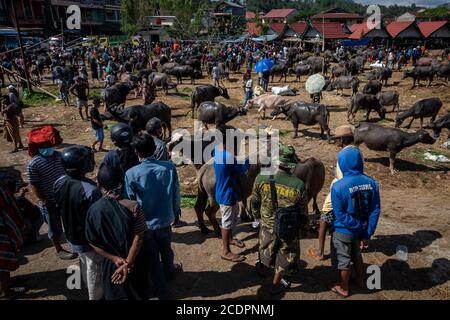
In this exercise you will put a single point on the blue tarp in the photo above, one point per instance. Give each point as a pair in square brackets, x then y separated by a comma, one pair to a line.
[356, 43]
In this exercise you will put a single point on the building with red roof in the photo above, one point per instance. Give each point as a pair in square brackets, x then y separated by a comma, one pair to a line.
[404, 30]
[249, 15]
[253, 29]
[365, 30]
[435, 29]
[279, 15]
[337, 15]
[329, 30]
[295, 31]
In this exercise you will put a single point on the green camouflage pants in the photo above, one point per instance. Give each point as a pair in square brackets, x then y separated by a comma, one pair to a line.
[281, 255]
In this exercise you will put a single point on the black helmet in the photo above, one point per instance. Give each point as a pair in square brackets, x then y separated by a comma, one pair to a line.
[121, 135]
[78, 160]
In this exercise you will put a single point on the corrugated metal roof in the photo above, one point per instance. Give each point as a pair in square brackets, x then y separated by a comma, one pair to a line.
[279, 13]
[299, 27]
[396, 27]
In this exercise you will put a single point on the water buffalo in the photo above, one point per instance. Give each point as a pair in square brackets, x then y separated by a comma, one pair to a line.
[439, 124]
[265, 102]
[300, 70]
[443, 71]
[372, 87]
[368, 102]
[217, 113]
[206, 93]
[194, 63]
[338, 71]
[389, 98]
[425, 62]
[380, 74]
[311, 172]
[140, 115]
[182, 71]
[421, 109]
[344, 82]
[281, 70]
[306, 113]
[162, 80]
[379, 138]
[168, 66]
[189, 145]
[117, 94]
[420, 73]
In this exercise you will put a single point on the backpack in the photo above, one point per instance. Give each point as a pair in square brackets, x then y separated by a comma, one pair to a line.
[288, 221]
[42, 137]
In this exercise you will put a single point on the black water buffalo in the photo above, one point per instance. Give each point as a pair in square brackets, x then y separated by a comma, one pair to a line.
[162, 80]
[206, 93]
[182, 71]
[144, 73]
[379, 138]
[338, 71]
[372, 87]
[425, 108]
[420, 73]
[389, 98]
[443, 71]
[117, 94]
[138, 116]
[368, 102]
[168, 66]
[194, 63]
[217, 113]
[305, 113]
[300, 70]
[380, 74]
[281, 70]
[344, 82]
[189, 144]
[439, 124]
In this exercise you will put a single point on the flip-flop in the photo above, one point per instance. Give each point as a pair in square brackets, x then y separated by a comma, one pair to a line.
[334, 290]
[314, 256]
[237, 243]
[284, 286]
[236, 259]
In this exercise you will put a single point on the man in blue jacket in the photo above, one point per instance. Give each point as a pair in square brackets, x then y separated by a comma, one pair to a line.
[356, 205]
[227, 170]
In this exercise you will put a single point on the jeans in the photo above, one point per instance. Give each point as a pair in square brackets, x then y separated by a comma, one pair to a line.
[159, 258]
[91, 272]
[52, 217]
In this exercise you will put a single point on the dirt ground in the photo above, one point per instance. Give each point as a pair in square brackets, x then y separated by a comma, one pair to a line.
[415, 210]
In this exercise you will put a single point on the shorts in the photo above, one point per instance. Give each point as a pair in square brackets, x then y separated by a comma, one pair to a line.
[229, 216]
[344, 250]
[99, 134]
[81, 103]
[52, 217]
[274, 252]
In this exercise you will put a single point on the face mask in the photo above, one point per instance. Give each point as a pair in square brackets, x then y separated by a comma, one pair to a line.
[46, 152]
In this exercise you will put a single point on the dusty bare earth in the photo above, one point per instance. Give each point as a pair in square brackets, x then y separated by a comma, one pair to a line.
[415, 211]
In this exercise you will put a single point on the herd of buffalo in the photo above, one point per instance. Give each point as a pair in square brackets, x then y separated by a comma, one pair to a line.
[343, 75]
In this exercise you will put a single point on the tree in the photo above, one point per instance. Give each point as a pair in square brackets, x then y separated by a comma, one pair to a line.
[134, 13]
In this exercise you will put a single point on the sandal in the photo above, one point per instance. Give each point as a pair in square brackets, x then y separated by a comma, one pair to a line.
[235, 258]
[340, 294]
[313, 254]
[64, 255]
[237, 243]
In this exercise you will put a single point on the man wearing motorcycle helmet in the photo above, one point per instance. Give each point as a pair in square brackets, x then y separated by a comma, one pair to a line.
[74, 195]
[124, 157]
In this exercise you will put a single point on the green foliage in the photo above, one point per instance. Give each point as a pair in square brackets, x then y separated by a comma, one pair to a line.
[436, 13]
[188, 201]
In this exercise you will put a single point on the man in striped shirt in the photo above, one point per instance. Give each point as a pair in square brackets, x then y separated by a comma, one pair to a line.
[43, 170]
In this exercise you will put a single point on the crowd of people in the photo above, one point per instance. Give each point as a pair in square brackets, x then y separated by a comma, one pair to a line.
[119, 225]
